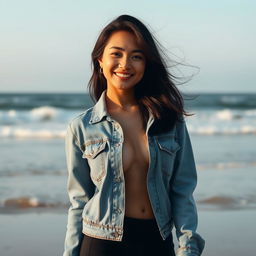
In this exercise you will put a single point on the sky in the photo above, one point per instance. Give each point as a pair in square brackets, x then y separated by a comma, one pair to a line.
[45, 45]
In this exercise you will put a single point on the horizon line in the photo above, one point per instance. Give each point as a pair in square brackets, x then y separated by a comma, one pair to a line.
[82, 92]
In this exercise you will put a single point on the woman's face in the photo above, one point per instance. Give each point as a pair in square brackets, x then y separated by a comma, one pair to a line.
[123, 62]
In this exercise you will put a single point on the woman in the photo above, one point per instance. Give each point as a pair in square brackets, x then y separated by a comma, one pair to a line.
[129, 158]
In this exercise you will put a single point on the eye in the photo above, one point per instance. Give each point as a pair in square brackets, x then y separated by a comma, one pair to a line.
[137, 57]
[116, 54]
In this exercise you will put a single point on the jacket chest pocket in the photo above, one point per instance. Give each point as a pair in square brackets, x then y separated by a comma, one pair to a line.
[167, 151]
[95, 153]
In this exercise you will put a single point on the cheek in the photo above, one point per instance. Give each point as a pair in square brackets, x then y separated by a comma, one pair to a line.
[108, 69]
[141, 69]
[110, 64]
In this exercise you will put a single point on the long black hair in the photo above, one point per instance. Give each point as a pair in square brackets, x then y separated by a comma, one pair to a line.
[156, 91]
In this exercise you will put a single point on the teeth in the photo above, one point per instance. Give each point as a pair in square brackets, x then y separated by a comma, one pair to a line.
[123, 75]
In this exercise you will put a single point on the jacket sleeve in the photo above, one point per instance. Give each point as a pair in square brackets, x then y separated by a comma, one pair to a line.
[80, 190]
[183, 184]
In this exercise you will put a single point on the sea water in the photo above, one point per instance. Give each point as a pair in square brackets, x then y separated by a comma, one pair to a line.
[33, 170]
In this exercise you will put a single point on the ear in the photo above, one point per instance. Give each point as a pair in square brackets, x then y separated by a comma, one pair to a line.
[100, 62]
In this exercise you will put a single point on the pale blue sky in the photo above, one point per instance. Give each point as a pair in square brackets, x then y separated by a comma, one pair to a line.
[45, 45]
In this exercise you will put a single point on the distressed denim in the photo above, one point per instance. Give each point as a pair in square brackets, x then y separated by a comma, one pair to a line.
[96, 184]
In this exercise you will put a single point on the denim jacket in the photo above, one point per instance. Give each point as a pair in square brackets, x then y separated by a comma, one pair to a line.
[96, 184]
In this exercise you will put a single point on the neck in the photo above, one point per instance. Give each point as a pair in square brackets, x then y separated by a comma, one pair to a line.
[121, 100]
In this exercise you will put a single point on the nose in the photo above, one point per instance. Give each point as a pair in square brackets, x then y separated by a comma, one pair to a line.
[124, 63]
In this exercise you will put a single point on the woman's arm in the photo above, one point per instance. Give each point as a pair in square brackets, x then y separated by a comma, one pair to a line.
[183, 205]
[80, 190]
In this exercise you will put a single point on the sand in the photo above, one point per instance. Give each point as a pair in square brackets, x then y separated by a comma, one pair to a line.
[30, 233]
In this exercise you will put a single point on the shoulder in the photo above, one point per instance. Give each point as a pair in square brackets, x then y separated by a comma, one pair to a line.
[80, 121]
[180, 123]
[181, 131]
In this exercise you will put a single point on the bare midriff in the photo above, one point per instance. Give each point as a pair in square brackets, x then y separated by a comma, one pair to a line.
[135, 159]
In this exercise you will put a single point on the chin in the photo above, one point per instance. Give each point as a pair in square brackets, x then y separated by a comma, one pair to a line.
[124, 86]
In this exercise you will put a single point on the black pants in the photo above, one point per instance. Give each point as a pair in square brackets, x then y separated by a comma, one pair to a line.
[141, 237]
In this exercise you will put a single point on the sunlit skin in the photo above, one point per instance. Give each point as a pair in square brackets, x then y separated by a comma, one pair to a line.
[123, 64]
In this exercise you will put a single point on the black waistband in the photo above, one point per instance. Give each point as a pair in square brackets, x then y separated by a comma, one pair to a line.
[136, 229]
[139, 221]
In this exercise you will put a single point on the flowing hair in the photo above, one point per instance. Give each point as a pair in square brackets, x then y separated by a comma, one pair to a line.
[156, 91]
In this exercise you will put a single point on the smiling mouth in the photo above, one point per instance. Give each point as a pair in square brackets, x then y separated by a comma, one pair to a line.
[123, 75]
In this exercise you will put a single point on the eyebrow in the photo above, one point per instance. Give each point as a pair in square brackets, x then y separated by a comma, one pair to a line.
[122, 49]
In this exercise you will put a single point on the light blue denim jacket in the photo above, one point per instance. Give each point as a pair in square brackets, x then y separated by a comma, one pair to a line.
[96, 184]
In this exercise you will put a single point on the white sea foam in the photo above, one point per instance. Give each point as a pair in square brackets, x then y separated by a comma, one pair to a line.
[225, 121]
[23, 132]
[42, 122]
[250, 113]
[225, 114]
[225, 166]
[51, 122]
[37, 115]
[44, 113]
[212, 130]
[232, 100]
[12, 113]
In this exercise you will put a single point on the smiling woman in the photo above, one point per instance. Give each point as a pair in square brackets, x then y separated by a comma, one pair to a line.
[122, 62]
[131, 170]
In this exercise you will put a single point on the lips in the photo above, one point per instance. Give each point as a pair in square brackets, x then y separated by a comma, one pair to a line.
[123, 75]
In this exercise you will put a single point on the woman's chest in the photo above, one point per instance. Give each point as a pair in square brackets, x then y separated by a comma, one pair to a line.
[135, 152]
[126, 149]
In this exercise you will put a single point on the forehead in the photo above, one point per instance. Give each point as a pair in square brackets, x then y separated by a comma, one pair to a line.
[123, 39]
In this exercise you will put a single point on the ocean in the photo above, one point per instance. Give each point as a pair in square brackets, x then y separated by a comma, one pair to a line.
[33, 169]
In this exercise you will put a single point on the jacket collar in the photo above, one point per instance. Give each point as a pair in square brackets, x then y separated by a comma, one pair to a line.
[100, 110]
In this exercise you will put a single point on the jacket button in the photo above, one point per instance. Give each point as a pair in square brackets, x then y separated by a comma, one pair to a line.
[117, 179]
[119, 232]
[118, 210]
[114, 234]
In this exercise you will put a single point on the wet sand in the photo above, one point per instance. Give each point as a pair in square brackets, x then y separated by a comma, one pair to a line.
[29, 233]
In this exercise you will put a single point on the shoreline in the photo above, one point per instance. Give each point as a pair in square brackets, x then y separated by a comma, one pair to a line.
[201, 207]
[27, 232]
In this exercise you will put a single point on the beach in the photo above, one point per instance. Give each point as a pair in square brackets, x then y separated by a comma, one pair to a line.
[33, 174]
[35, 202]
[227, 233]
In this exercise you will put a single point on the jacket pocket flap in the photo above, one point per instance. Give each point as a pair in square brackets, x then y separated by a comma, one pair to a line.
[93, 148]
[168, 145]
